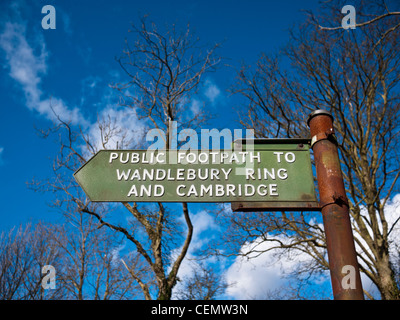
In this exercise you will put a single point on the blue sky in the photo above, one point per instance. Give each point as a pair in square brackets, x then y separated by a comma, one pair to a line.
[72, 66]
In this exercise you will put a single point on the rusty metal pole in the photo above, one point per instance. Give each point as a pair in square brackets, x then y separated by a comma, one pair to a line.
[343, 265]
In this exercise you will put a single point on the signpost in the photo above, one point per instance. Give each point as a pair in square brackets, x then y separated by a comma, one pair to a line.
[277, 172]
[342, 256]
[256, 175]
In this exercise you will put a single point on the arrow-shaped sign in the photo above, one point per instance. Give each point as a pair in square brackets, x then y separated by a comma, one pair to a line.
[278, 174]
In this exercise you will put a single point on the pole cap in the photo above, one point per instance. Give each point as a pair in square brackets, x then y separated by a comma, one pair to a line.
[318, 112]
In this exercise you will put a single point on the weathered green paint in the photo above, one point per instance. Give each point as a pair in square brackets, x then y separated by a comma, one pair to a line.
[285, 182]
[306, 200]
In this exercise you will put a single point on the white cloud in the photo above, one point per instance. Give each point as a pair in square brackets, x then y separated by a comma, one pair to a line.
[248, 279]
[211, 91]
[202, 222]
[27, 67]
[265, 273]
[24, 66]
[26, 62]
[116, 128]
[392, 213]
[255, 278]
[195, 107]
[55, 107]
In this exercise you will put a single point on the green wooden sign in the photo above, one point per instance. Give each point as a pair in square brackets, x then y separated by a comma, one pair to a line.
[277, 172]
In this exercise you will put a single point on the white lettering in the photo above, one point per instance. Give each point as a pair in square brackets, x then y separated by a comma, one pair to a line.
[262, 193]
[179, 174]
[205, 156]
[278, 156]
[191, 154]
[192, 191]
[113, 156]
[160, 174]
[272, 190]
[252, 157]
[204, 190]
[135, 175]
[123, 175]
[159, 190]
[292, 157]
[247, 192]
[178, 188]
[135, 158]
[149, 174]
[148, 191]
[249, 173]
[270, 174]
[181, 156]
[282, 174]
[226, 173]
[162, 159]
[219, 190]
[230, 190]
[191, 174]
[132, 191]
[214, 173]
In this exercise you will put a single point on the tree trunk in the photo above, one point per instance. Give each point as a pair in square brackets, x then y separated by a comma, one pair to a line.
[165, 290]
[387, 284]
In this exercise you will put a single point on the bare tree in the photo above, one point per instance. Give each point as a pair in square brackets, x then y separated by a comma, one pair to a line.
[164, 70]
[91, 261]
[204, 284]
[355, 76]
[24, 252]
[371, 11]
[86, 263]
